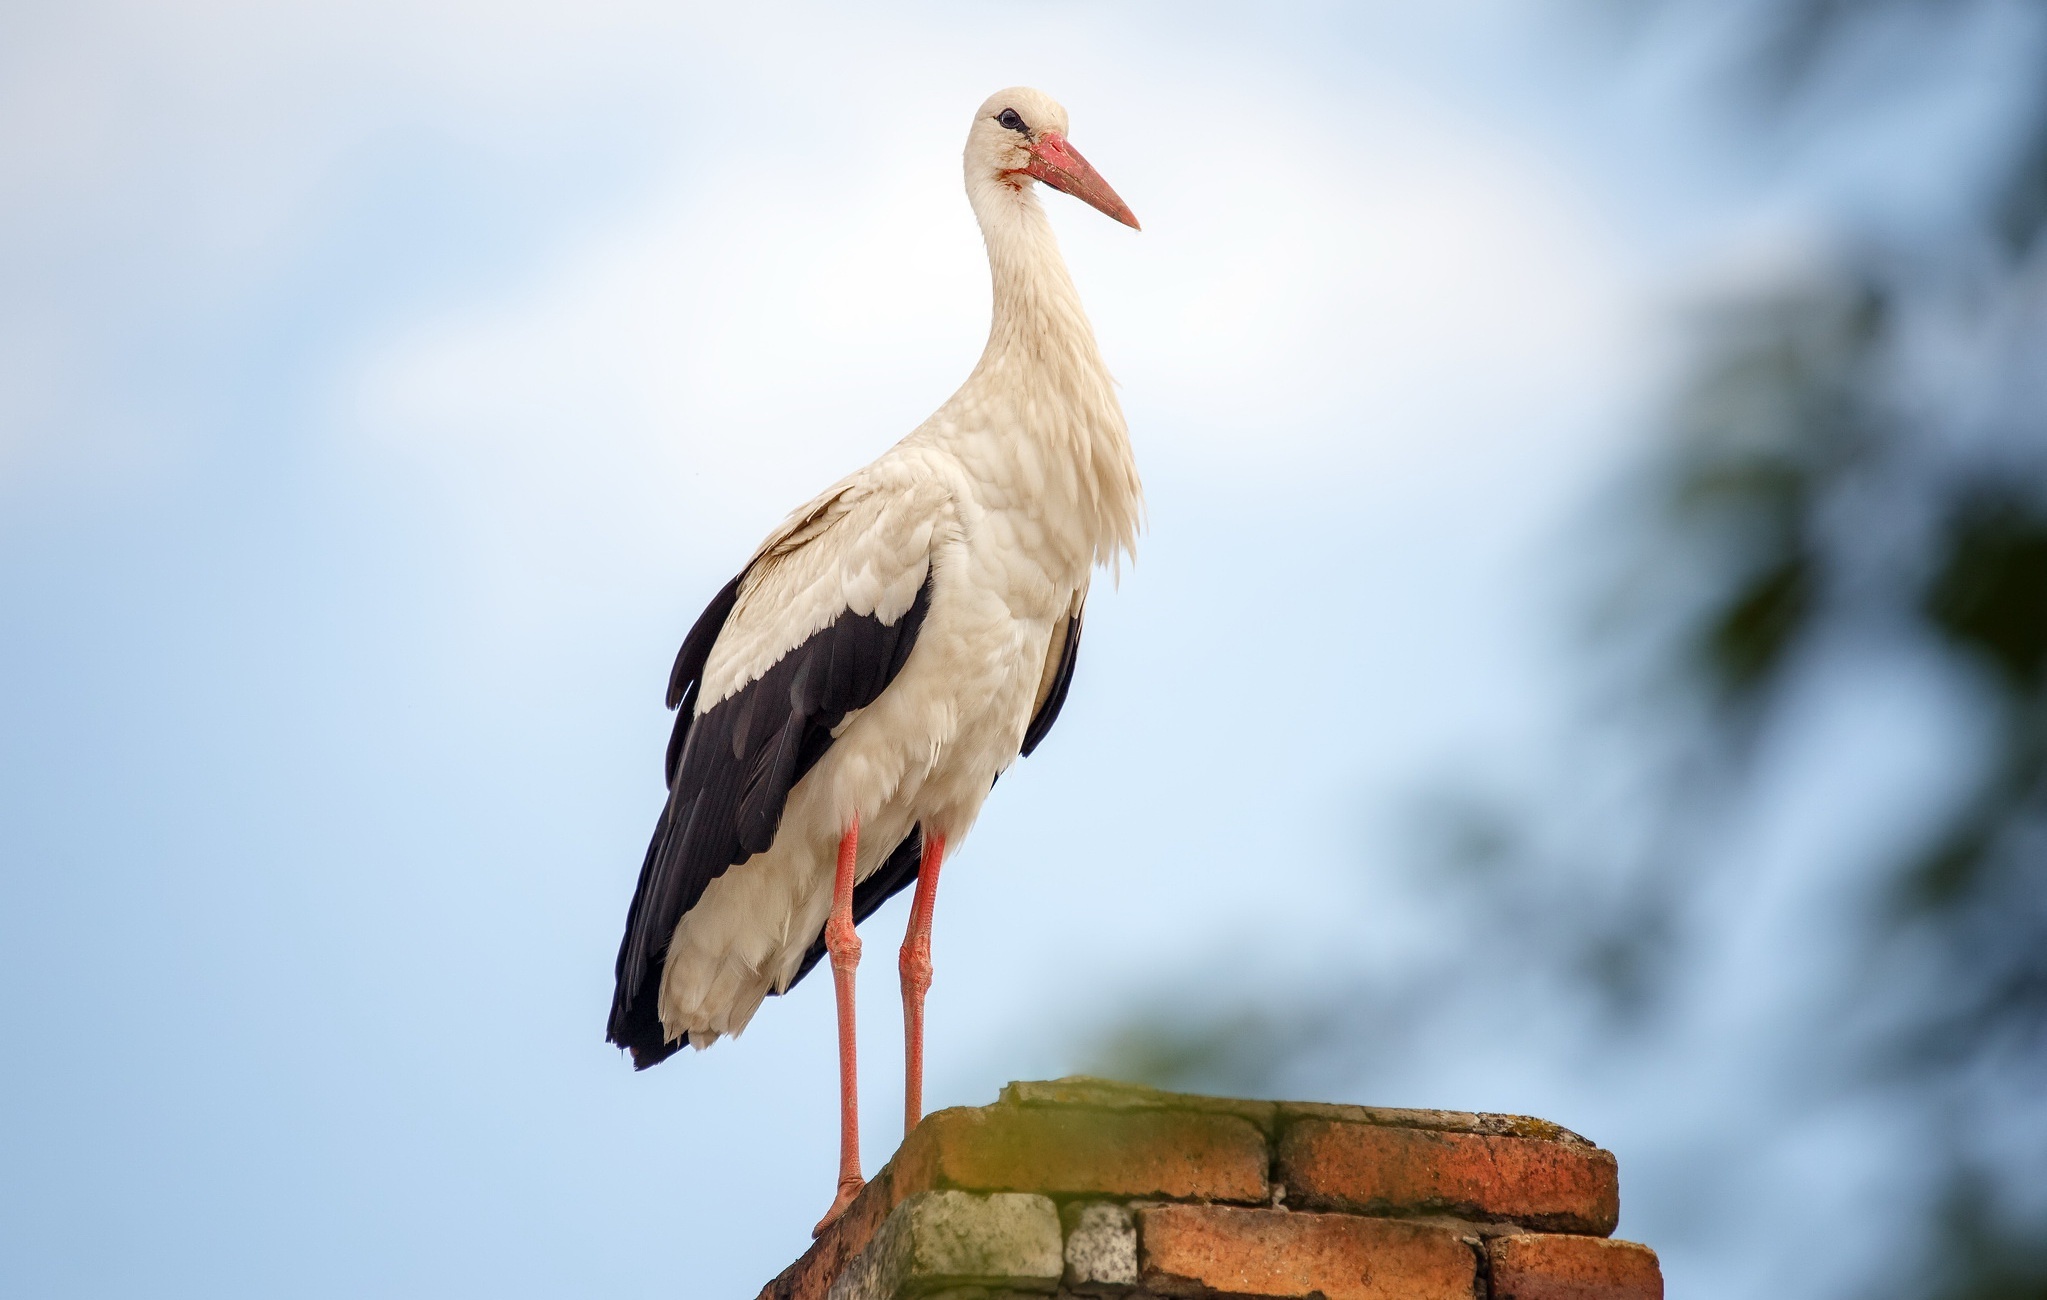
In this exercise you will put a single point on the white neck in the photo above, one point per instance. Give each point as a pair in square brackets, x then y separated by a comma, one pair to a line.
[1042, 369]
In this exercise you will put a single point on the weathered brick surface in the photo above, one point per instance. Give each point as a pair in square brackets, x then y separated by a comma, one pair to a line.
[1101, 1244]
[1190, 1250]
[810, 1277]
[1447, 1121]
[1061, 1152]
[1065, 1151]
[939, 1238]
[1375, 1201]
[1568, 1186]
[1546, 1266]
[1107, 1094]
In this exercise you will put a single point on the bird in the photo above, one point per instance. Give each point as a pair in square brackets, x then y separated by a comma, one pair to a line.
[844, 704]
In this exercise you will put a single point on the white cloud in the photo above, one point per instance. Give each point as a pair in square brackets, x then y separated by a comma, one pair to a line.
[1326, 274]
[1330, 268]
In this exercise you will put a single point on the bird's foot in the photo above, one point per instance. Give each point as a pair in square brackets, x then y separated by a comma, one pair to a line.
[848, 1189]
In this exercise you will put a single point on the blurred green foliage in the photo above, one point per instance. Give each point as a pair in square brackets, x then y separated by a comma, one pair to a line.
[1858, 457]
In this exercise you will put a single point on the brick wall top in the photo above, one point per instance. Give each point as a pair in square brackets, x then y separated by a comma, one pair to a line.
[1085, 1187]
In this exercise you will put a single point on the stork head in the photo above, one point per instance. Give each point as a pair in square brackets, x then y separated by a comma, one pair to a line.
[1019, 136]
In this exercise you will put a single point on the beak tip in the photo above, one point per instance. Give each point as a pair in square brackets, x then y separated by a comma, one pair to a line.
[1061, 166]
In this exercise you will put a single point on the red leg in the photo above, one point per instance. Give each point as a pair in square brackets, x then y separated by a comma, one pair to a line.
[844, 945]
[916, 967]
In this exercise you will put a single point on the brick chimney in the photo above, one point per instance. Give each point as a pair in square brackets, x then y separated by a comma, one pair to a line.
[1083, 1187]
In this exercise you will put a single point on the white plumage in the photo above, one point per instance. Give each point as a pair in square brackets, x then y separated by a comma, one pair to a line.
[1003, 501]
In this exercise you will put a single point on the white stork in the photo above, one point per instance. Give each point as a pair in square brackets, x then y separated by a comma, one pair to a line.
[846, 703]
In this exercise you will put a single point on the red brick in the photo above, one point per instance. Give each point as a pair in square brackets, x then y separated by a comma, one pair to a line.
[1061, 1151]
[1451, 1121]
[1541, 1266]
[1198, 1249]
[1176, 1155]
[1108, 1094]
[1570, 1186]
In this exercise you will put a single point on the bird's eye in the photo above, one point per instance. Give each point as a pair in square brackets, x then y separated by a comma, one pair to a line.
[1008, 117]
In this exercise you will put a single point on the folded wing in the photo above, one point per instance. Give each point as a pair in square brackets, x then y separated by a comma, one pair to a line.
[1058, 676]
[817, 625]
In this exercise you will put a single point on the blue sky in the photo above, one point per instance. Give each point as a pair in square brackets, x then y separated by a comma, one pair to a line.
[383, 388]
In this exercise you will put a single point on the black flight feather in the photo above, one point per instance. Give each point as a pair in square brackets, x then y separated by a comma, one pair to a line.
[1055, 699]
[688, 673]
[729, 776]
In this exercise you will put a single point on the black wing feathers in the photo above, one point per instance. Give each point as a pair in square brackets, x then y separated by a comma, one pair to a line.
[688, 673]
[768, 784]
[729, 776]
[1055, 699]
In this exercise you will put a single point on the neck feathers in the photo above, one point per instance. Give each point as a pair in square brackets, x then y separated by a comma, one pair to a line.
[1042, 361]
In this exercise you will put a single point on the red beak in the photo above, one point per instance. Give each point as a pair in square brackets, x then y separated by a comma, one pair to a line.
[1060, 165]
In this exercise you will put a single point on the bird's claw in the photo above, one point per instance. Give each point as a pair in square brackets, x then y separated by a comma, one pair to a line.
[849, 1188]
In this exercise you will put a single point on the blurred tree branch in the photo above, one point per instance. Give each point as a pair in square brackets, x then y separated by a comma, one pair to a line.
[1859, 456]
